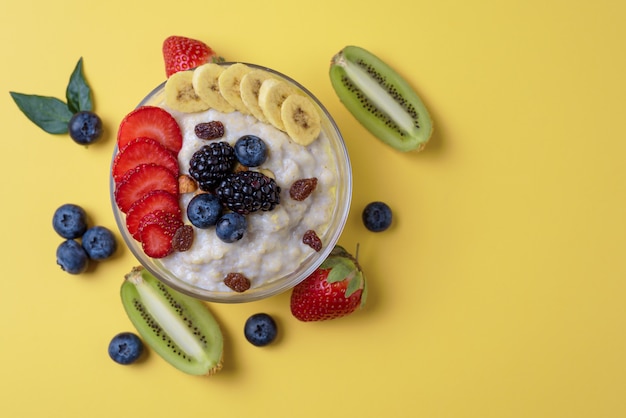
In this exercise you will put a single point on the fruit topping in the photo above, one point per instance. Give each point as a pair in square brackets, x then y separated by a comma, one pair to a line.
[205, 82]
[183, 238]
[156, 232]
[238, 87]
[181, 54]
[204, 210]
[229, 81]
[337, 288]
[180, 94]
[85, 127]
[150, 122]
[99, 243]
[57, 117]
[150, 202]
[251, 151]
[141, 181]
[72, 257]
[212, 163]
[231, 227]
[301, 119]
[380, 99]
[272, 94]
[125, 348]
[237, 281]
[70, 221]
[177, 327]
[302, 188]
[311, 239]
[260, 329]
[209, 130]
[142, 151]
[249, 191]
[377, 216]
[249, 90]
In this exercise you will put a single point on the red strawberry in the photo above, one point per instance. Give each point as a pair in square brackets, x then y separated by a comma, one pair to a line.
[156, 231]
[142, 151]
[335, 289]
[182, 54]
[141, 181]
[151, 202]
[150, 122]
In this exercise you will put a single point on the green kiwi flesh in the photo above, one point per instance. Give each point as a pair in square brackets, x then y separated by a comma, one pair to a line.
[380, 99]
[178, 327]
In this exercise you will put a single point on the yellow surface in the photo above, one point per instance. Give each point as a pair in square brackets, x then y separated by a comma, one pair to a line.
[499, 291]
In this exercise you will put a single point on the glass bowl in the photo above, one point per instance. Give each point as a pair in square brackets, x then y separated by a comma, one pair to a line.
[276, 285]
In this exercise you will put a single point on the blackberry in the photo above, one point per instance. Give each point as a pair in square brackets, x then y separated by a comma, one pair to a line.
[248, 191]
[211, 164]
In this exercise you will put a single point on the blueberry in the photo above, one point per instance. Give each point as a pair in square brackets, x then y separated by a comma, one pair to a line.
[250, 151]
[125, 348]
[99, 243]
[260, 329]
[204, 210]
[85, 127]
[70, 221]
[377, 216]
[231, 227]
[71, 256]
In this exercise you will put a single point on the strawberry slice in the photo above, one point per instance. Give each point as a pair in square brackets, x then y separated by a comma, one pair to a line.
[142, 151]
[142, 180]
[151, 202]
[156, 231]
[150, 122]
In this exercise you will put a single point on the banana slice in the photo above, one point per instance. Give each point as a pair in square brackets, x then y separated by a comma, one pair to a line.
[272, 94]
[249, 91]
[180, 95]
[229, 82]
[301, 118]
[205, 83]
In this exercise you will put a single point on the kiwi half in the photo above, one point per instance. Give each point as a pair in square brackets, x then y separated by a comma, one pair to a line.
[178, 327]
[380, 99]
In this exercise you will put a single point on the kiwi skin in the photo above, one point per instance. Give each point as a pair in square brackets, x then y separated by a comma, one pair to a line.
[178, 327]
[380, 99]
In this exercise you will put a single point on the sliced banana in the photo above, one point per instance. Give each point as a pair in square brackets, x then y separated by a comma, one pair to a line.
[272, 94]
[301, 118]
[180, 95]
[249, 90]
[229, 82]
[205, 83]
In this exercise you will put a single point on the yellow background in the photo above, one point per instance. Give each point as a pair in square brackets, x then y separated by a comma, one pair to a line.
[499, 290]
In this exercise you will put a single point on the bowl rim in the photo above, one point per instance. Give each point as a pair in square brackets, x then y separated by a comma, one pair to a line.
[278, 285]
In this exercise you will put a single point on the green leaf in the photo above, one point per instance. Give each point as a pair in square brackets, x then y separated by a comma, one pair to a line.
[339, 272]
[331, 262]
[49, 113]
[78, 92]
[353, 285]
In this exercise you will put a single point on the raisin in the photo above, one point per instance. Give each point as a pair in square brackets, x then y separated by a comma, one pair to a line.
[210, 130]
[237, 281]
[301, 189]
[311, 239]
[183, 238]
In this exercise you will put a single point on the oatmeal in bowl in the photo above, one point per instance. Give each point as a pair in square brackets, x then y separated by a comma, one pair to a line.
[230, 182]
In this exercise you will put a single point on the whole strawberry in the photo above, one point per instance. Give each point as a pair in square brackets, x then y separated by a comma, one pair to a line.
[335, 289]
[181, 53]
